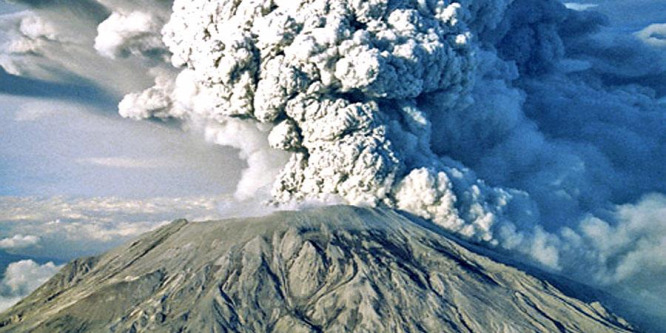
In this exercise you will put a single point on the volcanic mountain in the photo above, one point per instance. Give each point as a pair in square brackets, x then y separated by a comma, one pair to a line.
[332, 269]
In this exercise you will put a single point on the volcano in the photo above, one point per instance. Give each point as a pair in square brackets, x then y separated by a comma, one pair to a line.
[330, 269]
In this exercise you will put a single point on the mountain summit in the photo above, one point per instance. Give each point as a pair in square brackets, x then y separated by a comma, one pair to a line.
[332, 269]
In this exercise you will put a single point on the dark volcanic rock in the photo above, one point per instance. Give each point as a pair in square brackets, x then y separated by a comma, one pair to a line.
[334, 269]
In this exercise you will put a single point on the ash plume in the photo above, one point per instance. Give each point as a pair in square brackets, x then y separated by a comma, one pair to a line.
[340, 85]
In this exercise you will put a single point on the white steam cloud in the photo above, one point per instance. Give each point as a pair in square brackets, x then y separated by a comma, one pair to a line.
[524, 125]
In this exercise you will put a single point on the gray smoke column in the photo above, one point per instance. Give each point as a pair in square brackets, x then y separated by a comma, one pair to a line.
[338, 83]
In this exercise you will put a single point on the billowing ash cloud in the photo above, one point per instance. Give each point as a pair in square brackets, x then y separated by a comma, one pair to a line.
[338, 85]
[523, 124]
[504, 121]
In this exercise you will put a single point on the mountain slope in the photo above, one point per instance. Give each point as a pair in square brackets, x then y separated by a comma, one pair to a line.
[333, 269]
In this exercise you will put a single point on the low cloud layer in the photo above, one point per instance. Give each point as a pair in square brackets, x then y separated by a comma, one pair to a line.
[523, 125]
[71, 227]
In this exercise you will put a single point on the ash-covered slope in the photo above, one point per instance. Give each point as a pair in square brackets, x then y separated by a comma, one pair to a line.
[334, 269]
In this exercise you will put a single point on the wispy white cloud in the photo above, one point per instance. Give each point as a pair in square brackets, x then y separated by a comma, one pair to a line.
[43, 42]
[31, 113]
[580, 6]
[654, 34]
[18, 242]
[123, 162]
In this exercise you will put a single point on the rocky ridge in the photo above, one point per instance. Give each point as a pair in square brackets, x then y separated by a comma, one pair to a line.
[332, 269]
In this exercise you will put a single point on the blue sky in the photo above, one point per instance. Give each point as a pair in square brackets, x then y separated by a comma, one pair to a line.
[59, 147]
